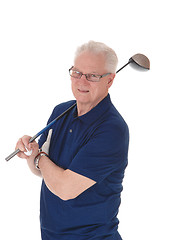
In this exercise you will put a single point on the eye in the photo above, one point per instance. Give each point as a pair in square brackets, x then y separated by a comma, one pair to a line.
[93, 75]
[90, 75]
[75, 73]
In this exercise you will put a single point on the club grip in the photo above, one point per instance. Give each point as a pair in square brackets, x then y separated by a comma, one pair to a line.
[12, 154]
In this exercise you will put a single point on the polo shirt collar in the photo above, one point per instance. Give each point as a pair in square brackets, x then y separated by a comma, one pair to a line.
[95, 112]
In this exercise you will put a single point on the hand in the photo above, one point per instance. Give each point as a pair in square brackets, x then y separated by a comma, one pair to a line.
[24, 145]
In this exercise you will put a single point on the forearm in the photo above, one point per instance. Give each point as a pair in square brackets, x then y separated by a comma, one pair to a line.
[66, 184]
[53, 176]
[33, 168]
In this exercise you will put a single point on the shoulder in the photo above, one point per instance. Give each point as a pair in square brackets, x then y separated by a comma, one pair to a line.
[63, 106]
[113, 122]
[112, 130]
[60, 108]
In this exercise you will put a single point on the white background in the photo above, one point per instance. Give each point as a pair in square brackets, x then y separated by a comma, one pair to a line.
[37, 44]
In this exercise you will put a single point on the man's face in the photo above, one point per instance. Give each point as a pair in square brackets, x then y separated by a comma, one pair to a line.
[86, 92]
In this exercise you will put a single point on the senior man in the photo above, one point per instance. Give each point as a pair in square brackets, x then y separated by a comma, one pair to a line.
[85, 154]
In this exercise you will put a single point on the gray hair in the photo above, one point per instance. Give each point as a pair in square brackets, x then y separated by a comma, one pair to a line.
[100, 48]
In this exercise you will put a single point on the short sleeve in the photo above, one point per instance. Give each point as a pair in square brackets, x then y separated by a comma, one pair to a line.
[105, 153]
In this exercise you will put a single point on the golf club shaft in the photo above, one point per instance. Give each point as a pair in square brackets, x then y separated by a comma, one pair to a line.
[12, 154]
[50, 124]
[42, 131]
[123, 67]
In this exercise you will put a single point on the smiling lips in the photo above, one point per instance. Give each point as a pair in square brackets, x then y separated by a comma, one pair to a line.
[83, 91]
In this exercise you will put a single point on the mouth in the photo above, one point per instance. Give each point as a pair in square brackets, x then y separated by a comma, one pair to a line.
[83, 91]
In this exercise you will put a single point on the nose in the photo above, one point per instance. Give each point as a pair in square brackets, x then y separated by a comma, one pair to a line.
[83, 77]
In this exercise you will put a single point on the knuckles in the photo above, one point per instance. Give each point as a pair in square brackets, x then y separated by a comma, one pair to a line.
[24, 146]
[23, 143]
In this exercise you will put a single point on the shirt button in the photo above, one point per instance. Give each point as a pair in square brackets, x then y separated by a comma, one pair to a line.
[71, 130]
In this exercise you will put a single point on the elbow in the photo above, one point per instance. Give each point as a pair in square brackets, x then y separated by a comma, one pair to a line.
[64, 192]
[66, 197]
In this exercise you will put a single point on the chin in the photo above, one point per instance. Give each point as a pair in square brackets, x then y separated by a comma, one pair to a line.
[82, 100]
[82, 97]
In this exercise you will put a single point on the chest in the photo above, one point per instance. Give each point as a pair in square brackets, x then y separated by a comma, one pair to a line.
[69, 136]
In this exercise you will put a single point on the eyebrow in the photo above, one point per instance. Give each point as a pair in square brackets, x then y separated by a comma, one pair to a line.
[76, 69]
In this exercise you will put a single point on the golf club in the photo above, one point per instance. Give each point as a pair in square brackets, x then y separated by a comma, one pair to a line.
[137, 59]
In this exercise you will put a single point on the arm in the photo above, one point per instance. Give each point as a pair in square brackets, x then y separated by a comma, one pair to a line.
[21, 144]
[66, 184]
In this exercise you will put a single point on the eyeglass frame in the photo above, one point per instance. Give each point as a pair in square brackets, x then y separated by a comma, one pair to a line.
[86, 75]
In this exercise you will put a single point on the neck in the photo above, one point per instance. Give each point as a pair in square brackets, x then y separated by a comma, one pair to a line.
[83, 108]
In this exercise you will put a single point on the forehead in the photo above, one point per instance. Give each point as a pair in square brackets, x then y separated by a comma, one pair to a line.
[90, 62]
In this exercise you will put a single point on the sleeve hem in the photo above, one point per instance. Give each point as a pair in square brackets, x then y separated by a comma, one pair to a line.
[85, 174]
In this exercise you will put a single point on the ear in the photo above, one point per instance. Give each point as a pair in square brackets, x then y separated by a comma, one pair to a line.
[110, 79]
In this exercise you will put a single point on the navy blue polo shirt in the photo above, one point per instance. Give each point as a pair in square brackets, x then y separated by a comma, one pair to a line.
[94, 145]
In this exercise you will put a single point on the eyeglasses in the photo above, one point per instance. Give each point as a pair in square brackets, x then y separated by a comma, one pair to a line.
[89, 76]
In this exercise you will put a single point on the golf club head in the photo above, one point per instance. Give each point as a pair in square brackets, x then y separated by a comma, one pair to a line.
[140, 62]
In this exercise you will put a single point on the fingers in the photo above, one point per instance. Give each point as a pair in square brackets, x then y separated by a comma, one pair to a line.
[33, 146]
[24, 146]
[20, 145]
[25, 139]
